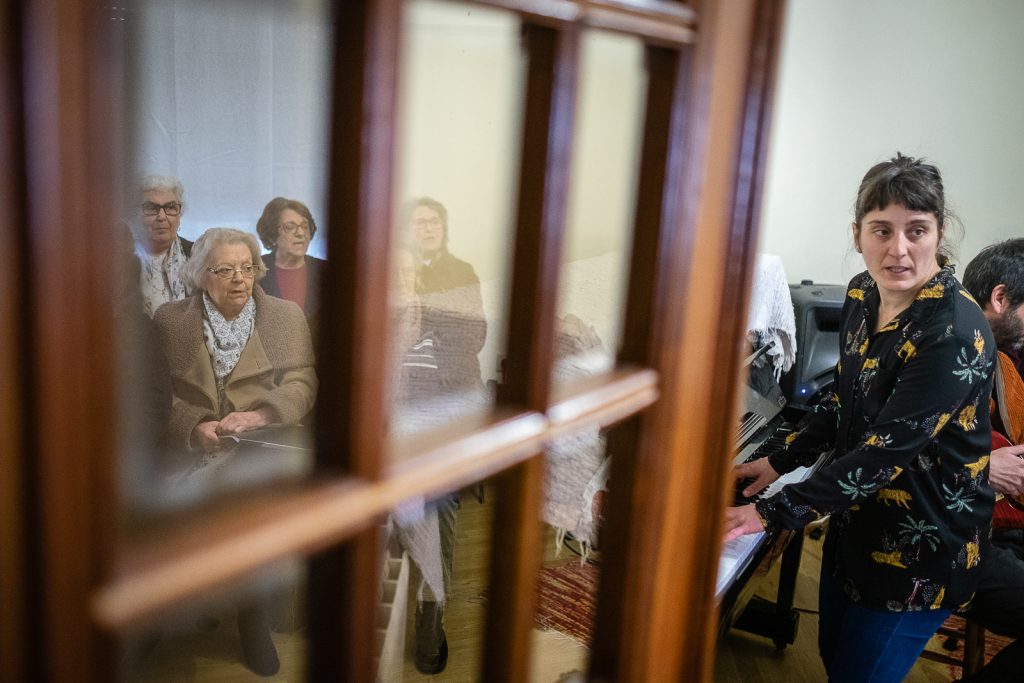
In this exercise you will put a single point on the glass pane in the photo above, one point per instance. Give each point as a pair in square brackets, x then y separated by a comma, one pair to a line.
[432, 611]
[460, 129]
[254, 629]
[575, 481]
[443, 549]
[226, 126]
[602, 193]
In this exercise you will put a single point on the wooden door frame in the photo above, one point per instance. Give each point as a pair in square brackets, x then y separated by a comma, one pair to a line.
[662, 542]
[678, 469]
[18, 629]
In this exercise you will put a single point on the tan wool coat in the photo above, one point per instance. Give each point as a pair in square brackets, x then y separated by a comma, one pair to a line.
[275, 369]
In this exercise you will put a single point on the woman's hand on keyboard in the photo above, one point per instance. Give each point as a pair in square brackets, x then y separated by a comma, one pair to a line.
[741, 521]
[760, 471]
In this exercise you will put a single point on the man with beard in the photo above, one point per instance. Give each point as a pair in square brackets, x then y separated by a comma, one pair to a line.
[995, 278]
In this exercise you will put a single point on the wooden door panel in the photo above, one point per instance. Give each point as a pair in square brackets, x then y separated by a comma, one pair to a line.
[701, 155]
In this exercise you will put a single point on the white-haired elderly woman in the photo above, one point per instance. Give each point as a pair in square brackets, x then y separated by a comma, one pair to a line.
[161, 251]
[239, 359]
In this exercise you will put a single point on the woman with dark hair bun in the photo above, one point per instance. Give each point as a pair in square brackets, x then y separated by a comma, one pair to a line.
[908, 426]
[286, 228]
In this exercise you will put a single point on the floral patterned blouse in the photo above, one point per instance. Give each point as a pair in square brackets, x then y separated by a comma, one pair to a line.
[908, 420]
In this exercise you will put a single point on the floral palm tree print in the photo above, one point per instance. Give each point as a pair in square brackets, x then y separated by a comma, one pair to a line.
[854, 487]
[959, 501]
[917, 532]
[973, 369]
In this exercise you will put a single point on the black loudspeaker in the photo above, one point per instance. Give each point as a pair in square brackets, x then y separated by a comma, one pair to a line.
[818, 310]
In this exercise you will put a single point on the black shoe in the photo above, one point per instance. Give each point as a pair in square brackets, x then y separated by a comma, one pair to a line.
[431, 641]
[435, 663]
[258, 651]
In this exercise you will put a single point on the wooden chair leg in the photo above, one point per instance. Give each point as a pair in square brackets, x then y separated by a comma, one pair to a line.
[973, 637]
[974, 648]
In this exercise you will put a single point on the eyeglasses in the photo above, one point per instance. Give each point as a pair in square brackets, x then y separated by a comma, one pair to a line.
[292, 228]
[421, 223]
[170, 208]
[248, 271]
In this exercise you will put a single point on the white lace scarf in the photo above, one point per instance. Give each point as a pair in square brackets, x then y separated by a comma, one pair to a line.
[225, 340]
[161, 276]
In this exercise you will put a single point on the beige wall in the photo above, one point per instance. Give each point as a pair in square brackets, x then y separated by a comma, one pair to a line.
[460, 130]
[857, 81]
[860, 80]
[459, 143]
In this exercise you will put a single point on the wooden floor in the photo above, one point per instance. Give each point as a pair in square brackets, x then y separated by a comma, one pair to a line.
[193, 655]
[745, 658]
[554, 655]
[190, 654]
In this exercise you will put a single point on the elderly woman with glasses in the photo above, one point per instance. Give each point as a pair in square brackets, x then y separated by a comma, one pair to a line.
[239, 359]
[286, 228]
[162, 253]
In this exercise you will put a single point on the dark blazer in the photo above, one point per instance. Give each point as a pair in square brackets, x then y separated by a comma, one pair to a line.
[186, 247]
[314, 268]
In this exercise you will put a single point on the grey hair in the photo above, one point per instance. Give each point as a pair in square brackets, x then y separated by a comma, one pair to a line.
[163, 182]
[195, 267]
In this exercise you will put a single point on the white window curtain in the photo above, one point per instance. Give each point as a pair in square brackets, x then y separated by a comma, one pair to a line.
[233, 99]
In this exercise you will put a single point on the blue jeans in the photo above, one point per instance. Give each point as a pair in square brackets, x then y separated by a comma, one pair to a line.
[859, 644]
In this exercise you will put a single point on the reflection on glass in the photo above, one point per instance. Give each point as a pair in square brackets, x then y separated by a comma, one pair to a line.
[254, 630]
[602, 195]
[566, 608]
[428, 537]
[226, 111]
[435, 593]
[461, 112]
[576, 470]
[432, 608]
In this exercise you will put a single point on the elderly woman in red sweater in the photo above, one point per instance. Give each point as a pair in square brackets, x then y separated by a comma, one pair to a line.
[286, 228]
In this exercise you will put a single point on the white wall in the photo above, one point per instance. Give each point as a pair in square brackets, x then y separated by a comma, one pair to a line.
[862, 79]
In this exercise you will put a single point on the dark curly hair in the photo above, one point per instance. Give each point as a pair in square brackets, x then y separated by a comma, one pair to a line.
[1001, 263]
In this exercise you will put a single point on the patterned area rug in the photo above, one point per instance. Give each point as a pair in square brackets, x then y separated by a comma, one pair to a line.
[568, 599]
[993, 644]
[568, 602]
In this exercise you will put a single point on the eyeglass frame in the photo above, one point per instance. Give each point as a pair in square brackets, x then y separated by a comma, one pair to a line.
[231, 276]
[282, 227]
[424, 223]
[154, 209]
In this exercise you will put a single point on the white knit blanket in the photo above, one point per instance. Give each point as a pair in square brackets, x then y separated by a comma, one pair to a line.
[577, 465]
[771, 316]
[415, 520]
